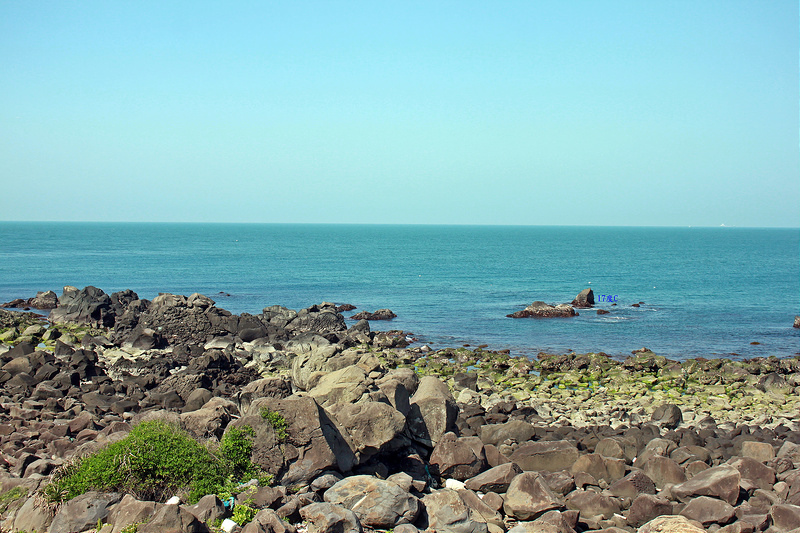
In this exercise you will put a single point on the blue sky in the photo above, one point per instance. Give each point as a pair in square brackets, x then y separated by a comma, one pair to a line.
[590, 113]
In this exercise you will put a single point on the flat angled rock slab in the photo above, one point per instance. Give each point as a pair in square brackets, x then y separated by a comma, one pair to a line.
[757, 472]
[720, 482]
[785, 516]
[528, 496]
[495, 479]
[516, 430]
[707, 510]
[592, 504]
[549, 456]
[83, 512]
[376, 503]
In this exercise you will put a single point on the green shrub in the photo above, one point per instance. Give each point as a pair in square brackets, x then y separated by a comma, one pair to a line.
[277, 421]
[235, 449]
[154, 461]
[157, 460]
[243, 513]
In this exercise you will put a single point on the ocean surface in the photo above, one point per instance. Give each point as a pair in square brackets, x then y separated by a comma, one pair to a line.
[707, 292]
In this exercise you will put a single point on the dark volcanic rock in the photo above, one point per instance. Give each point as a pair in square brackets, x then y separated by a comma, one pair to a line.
[529, 496]
[719, 482]
[89, 305]
[545, 456]
[458, 457]
[584, 299]
[646, 507]
[496, 479]
[668, 416]
[44, 300]
[540, 309]
[323, 517]
[83, 512]
[377, 503]
[380, 314]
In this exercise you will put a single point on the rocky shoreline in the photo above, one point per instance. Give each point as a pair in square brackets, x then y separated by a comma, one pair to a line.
[358, 430]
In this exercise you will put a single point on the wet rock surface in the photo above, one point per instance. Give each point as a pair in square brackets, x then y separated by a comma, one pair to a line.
[378, 435]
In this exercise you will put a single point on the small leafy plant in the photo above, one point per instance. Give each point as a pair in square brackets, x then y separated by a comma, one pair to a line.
[243, 513]
[278, 423]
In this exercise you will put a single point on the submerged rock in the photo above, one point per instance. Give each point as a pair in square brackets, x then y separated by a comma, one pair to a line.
[540, 309]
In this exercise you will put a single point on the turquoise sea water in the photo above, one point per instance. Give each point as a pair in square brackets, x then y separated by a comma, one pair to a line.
[707, 291]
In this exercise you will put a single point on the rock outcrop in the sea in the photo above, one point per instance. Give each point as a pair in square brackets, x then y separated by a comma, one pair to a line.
[43, 301]
[380, 314]
[584, 299]
[796, 322]
[540, 309]
[359, 434]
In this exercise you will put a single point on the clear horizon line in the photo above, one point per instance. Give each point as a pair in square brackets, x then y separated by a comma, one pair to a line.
[186, 222]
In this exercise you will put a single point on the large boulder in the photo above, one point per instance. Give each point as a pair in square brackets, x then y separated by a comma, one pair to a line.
[433, 412]
[458, 457]
[540, 309]
[446, 511]
[667, 415]
[172, 519]
[785, 516]
[179, 320]
[44, 301]
[496, 479]
[592, 504]
[377, 503]
[707, 510]
[528, 496]
[515, 430]
[89, 305]
[83, 512]
[323, 517]
[373, 427]
[268, 521]
[210, 420]
[720, 482]
[584, 299]
[646, 507]
[31, 516]
[550, 456]
[380, 314]
[296, 439]
[664, 471]
[343, 386]
[323, 319]
[130, 511]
